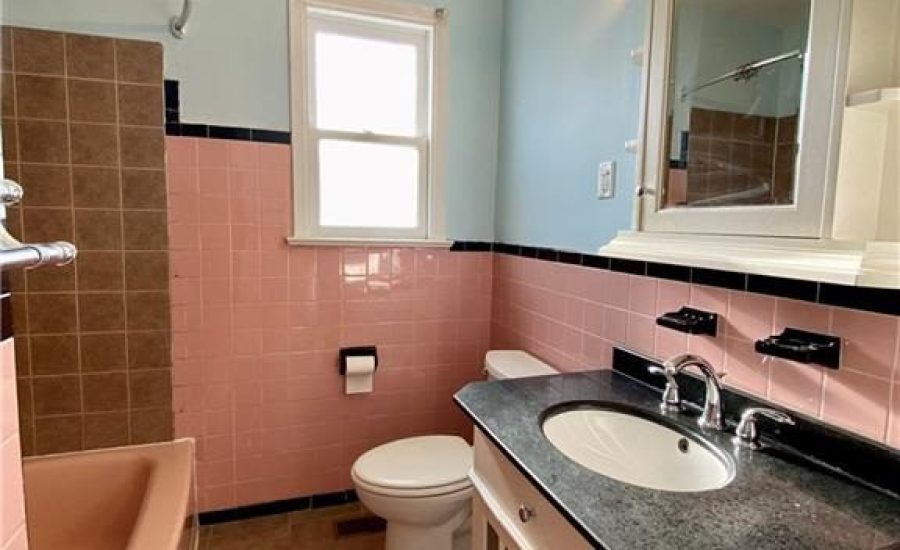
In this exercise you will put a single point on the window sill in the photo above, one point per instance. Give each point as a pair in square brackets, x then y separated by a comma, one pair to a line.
[873, 264]
[412, 243]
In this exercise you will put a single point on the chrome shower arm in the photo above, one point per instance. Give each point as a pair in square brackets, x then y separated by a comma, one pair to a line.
[178, 24]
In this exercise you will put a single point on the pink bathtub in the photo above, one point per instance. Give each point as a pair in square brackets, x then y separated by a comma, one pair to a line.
[128, 498]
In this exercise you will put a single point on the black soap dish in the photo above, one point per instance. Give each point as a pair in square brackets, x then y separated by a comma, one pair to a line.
[691, 321]
[803, 347]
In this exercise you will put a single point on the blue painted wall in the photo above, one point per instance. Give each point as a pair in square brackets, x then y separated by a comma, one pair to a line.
[233, 68]
[570, 99]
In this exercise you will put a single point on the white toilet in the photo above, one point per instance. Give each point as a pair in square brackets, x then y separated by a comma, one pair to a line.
[421, 486]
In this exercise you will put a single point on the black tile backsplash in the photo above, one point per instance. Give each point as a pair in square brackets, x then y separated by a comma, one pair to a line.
[628, 266]
[174, 126]
[278, 507]
[596, 262]
[572, 258]
[784, 288]
[227, 132]
[871, 299]
[548, 255]
[668, 271]
[868, 299]
[718, 278]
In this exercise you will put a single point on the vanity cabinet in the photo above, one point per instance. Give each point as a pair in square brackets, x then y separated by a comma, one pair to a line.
[508, 513]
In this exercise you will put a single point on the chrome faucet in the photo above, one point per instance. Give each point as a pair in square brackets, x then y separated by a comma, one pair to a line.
[712, 409]
[746, 433]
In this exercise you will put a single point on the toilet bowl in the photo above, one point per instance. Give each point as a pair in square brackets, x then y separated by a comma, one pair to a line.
[421, 486]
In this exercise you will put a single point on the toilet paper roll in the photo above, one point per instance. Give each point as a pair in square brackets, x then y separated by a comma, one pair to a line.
[360, 374]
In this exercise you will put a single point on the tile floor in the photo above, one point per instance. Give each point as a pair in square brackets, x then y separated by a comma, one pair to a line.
[309, 529]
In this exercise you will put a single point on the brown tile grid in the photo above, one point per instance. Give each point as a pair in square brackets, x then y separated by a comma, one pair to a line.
[83, 134]
[729, 152]
[310, 529]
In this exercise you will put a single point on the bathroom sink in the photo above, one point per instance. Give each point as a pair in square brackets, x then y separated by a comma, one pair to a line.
[633, 448]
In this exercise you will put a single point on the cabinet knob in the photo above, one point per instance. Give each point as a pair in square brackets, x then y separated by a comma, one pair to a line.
[526, 514]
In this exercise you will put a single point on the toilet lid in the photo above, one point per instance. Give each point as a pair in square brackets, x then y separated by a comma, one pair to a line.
[416, 463]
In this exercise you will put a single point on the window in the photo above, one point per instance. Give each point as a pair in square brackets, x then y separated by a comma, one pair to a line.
[367, 102]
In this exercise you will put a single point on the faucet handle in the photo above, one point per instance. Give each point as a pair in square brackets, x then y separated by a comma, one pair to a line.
[746, 431]
[671, 401]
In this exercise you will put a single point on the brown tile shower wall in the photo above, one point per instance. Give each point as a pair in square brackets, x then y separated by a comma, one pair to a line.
[732, 152]
[83, 134]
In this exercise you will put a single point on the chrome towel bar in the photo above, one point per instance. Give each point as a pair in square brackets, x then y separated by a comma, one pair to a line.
[14, 254]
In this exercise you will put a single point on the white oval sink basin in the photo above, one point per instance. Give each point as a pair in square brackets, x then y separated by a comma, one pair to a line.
[638, 451]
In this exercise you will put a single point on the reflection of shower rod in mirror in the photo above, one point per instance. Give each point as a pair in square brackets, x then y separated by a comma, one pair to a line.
[743, 72]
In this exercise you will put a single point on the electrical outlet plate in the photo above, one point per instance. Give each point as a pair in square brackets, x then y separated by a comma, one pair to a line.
[606, 180]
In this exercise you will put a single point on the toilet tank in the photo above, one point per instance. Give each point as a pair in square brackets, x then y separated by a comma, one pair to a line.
[502, 364]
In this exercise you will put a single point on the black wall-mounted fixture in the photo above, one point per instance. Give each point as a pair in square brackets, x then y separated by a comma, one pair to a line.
[361, 351]
[691, 321]
[803, 347]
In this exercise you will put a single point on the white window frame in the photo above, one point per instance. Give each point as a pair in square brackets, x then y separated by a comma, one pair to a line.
[819, 137]
[366, 18]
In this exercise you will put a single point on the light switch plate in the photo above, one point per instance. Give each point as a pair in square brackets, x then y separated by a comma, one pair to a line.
[606, 180]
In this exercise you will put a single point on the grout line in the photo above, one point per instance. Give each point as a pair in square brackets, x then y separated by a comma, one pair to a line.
[77, 333]
[71, 121]
[33, 435]
[119, 170]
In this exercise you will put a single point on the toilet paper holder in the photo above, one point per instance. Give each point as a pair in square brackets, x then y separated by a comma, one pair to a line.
[360, 351]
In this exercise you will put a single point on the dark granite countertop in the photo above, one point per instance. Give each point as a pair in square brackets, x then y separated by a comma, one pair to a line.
[776, 500]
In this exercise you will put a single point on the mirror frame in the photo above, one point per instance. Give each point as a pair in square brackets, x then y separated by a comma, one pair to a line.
[819, 133]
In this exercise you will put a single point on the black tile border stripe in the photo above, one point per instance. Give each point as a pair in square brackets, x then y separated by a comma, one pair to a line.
[174, 126]
[876, 300]
[865, 461]
[298, 504]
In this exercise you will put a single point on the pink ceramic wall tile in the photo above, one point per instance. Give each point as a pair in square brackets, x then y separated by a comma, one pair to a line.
[212, 153]
[750, 316]
[710, 299]
[181, 151]
[12, 500]
[893, 436]
[641, 333]
[589, 284]
[9, 412]
[256, 348]
[615, 325]
[711, 349]
[672, 296]
[669, 343]
[257, 325]
[594, 319]
[796, 386]
[522, 317]
[642, 295]
[745, 369]
[801, 315]
[869, 341]
[615, 292]
[244, 155]
[857, 402]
